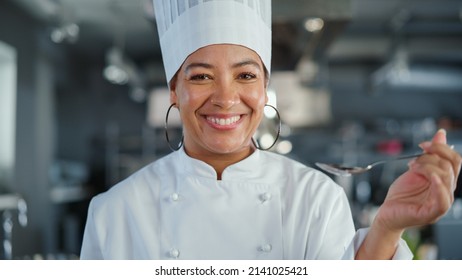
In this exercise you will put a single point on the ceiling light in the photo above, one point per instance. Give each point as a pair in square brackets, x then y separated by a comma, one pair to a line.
[65, 33]
[115, 75]
[314, 24]
[116, 69]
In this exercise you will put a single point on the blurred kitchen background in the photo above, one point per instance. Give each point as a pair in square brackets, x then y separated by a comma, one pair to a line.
[83, 102]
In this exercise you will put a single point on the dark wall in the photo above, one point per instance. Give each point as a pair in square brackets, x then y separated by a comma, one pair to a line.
[354, 96]
[87, 105]
[34, 128]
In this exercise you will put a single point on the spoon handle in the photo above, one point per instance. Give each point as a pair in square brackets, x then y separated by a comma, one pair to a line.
[396, 158]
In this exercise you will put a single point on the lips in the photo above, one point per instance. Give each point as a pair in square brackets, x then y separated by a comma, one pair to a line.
[224, 121]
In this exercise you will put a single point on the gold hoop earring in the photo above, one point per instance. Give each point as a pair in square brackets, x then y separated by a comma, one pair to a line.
[166, 131]
[257, 145]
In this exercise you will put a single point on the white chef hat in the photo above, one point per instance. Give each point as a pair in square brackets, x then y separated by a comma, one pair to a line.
[184, 26]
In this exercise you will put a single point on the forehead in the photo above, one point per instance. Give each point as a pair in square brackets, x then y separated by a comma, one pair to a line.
[223, 53]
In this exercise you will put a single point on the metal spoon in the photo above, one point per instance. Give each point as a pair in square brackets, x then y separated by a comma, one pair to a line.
[340, 170]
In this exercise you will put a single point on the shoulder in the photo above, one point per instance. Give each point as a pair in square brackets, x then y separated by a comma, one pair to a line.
[142, 185]
[286, 166]
[300, 179]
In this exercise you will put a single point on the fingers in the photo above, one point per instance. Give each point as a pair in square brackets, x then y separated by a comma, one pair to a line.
[431, 165]
[440, 163]
[443, 198]
[440, 137]
[441, 179]
[439, 147]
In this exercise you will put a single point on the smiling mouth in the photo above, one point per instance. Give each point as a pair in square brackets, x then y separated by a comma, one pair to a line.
[224, 121]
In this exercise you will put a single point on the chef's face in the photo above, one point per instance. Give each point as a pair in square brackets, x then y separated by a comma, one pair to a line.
[220, 91]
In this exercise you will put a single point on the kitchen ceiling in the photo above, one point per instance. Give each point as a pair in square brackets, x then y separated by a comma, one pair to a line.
[353, 29]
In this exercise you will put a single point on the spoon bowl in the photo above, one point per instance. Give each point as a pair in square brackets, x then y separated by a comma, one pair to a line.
[341, 170]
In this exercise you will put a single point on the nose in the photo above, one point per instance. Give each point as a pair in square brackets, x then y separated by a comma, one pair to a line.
[225, 95]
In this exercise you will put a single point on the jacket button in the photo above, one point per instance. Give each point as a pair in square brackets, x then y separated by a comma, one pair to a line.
[174, 196]
[266, 248]
[265, 197]
[174, 253]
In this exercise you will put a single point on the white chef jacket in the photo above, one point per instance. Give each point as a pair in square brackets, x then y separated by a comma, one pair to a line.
[266, 206]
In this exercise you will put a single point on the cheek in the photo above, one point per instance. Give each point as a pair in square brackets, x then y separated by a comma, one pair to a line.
[256, 99]
[189, 102]
[184, 97]
[188, 94]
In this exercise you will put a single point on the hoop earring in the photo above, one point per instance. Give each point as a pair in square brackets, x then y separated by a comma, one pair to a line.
[277, 135]
[166, 131]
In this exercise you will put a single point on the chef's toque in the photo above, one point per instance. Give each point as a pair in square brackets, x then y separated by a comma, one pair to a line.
[184, 26]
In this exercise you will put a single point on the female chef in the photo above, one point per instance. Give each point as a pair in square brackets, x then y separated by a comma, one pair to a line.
[218, 196]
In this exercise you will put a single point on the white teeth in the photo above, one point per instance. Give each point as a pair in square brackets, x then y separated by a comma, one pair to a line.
[227, 121]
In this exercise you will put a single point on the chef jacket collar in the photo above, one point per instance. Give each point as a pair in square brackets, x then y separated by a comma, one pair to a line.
[245, 168]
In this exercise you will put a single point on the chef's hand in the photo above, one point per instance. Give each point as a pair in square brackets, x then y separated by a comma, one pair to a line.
[420, 196]
[426, 191]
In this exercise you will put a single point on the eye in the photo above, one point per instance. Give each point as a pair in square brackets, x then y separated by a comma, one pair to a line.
[247, 76]
[200, 77]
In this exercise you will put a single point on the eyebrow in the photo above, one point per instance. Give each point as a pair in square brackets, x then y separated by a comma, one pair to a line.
[210, 66]
[247, 62]
[197, 65]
